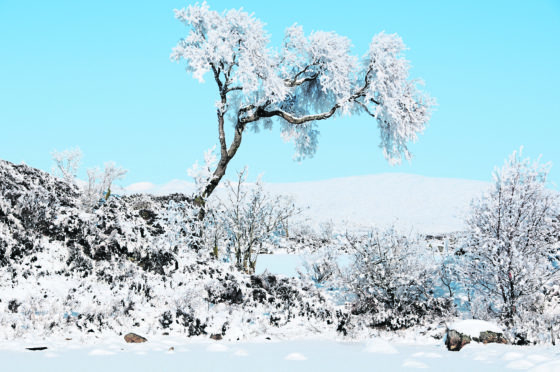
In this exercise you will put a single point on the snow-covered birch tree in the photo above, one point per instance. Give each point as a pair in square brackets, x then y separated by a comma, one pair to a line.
[308, 79]
[510, 244]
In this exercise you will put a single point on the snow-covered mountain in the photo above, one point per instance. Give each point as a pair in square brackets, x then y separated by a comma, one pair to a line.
[410, 202]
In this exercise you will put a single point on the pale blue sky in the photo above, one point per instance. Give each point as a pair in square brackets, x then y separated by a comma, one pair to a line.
[98, 75]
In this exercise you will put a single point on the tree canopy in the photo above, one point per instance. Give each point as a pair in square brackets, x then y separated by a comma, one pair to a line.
[307, 79]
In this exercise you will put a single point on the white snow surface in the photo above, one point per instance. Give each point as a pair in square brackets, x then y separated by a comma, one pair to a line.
[410, 202]
[168, 353]
[473, 327]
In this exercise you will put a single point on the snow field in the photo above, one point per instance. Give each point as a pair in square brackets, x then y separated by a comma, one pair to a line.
[302, 355]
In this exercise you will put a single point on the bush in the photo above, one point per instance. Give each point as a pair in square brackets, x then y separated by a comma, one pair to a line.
[394, 280]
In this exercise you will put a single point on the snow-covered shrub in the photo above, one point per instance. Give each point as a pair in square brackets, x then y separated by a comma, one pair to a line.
[202, 173]
[250, 217]
[320, 267]
[509, 253]
[99, 183]
[394, 280]
[67, 163]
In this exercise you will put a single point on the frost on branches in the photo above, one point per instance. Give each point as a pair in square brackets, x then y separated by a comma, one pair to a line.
[99, 183]
[202, 174]
[249, 219]
[511, 263]
[394, 280]
[309, 78]
[67, 163]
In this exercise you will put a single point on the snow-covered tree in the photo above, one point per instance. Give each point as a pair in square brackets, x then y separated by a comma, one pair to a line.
[67, 163]
[309, 78]
[509, 256]
[250, 218]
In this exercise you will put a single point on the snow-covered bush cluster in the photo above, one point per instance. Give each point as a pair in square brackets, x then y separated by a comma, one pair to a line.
[172, 264]
[132, 262]
[505, 267]
[395, 280]
[98, 186]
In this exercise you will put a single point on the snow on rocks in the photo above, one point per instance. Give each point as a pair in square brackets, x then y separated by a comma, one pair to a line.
[461, 333]
[474, 327]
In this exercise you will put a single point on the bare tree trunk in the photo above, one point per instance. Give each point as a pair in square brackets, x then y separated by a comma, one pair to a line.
[225, 158]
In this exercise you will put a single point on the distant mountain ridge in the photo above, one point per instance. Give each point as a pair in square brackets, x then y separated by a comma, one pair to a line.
[410, 202]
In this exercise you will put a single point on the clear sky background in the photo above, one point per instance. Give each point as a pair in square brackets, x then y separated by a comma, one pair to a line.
[97, 74]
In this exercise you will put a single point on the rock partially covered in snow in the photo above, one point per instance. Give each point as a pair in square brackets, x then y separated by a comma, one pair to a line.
[455, 340]
[461, 333]
[133, 338]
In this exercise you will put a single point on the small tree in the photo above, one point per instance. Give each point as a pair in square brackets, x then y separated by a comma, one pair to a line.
[251, 217]
[310, 78]
[509, 257]
[67, 163]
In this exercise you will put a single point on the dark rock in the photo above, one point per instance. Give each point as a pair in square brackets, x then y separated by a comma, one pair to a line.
[216, 336]
[166, 319]
[521, 339]
[39, 348]
[491, 337]
[133, 338]
[455, 340]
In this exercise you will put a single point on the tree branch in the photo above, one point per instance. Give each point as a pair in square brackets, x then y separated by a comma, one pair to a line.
[294, 82]
[261, 113]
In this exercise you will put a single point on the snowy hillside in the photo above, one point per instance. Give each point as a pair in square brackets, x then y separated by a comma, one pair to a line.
[410, 202]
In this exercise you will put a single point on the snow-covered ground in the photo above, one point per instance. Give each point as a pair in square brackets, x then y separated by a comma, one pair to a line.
[266, 356]
[425, 204]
